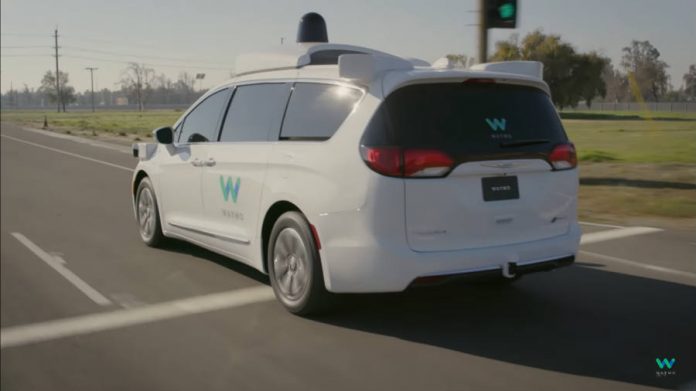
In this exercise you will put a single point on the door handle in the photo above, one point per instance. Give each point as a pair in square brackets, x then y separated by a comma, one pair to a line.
[197, 162]
[211, 162]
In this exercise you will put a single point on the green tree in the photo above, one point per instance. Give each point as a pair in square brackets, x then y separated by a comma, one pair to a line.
[458, 60]
[48, 88]
[641, 61]
[690, 82]
[588, 76]
[571, 76]
[507, 50]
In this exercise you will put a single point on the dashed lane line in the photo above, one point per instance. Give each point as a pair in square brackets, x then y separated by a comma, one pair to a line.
[58, 264]
[68, 153]
[641, 265]
[595, 237]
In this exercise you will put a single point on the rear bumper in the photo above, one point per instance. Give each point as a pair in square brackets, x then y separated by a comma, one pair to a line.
[364, 263]
[496, 272]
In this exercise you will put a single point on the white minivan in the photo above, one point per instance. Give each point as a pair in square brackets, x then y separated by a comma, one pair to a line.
[337, 168]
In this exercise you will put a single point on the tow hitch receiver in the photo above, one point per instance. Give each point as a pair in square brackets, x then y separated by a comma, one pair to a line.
[509, 270]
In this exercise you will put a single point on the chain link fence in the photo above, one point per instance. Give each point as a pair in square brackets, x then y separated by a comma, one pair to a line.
[682, 107]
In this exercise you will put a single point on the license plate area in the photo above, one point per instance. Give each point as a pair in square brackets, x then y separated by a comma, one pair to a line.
[500, 188]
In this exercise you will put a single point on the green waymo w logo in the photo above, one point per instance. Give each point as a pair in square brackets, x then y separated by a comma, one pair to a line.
[662, 363]
[496, 124]
[228, 190]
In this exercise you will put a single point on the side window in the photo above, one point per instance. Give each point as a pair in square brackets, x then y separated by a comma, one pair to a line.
[255, 112]
[205, 118]
[316, 111]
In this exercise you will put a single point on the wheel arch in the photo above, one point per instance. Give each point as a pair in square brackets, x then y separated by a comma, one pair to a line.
[272, 215]
[139, 175]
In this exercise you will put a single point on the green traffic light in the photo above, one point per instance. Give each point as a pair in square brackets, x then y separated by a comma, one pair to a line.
[506, 11]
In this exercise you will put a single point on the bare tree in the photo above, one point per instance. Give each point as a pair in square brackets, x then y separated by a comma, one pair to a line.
[641, 61]
[616, 84]
[184, 85]
[137, 79]
[690, 82]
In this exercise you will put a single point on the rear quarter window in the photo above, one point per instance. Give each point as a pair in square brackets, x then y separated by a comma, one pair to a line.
[315, 111]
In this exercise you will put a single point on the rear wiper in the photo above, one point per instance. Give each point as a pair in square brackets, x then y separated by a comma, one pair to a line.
[522, 143]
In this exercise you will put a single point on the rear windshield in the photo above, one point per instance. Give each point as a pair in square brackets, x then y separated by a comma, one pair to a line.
[468, 119]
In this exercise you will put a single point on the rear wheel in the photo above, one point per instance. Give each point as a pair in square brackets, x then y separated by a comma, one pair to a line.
[147, 214]
[294, 266]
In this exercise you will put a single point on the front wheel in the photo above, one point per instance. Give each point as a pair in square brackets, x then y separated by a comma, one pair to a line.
[294, 266]
[147, 214]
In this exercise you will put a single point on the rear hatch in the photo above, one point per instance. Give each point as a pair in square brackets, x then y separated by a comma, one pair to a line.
[483, 163]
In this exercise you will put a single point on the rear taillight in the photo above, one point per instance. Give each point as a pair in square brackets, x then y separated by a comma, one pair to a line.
[426, 163]
[563, 157]
[407, 163]
[384, 160]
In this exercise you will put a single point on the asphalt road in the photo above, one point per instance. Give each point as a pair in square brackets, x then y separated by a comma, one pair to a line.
[86, 306]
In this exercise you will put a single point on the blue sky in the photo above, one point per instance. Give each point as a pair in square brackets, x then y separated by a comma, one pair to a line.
[205, 36]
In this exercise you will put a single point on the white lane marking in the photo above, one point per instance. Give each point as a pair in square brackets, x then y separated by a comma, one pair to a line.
[68, 153]
[82, 140]
[45, 331]
[602, 236]
[127, 300]
[58, 264]
[600, 225]
[640, 265]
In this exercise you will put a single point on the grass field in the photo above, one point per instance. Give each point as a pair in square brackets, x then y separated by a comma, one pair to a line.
[119, 123]
[633, 164]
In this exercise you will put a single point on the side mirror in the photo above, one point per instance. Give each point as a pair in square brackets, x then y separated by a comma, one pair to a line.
[164, 135]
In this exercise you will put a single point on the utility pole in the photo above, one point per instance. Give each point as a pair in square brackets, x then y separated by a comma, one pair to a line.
[91, 76]
[483, 31]
[58, 94]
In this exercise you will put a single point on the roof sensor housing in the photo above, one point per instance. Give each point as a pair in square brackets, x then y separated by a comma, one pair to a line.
[312, 28]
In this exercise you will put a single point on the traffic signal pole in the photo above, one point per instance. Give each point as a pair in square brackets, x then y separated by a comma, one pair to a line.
[483, 32]
[494, 14]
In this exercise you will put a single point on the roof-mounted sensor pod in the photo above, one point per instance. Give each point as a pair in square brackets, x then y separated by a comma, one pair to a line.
[312, 28]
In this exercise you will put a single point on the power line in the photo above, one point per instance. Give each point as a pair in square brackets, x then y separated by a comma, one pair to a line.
[25, 47]
[25, 34]
[128, 45]
[110, 53]
[178, 66]
[27, 55]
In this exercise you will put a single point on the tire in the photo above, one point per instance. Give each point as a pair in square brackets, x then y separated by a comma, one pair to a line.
[294, 266]
[147, 214]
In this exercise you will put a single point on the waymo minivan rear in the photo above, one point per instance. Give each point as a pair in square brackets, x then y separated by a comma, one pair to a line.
[483, 163]
[337, 168]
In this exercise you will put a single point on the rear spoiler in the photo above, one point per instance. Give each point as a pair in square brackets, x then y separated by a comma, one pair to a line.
[533, 69]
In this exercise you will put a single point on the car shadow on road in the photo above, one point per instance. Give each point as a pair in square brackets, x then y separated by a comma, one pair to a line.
[179, 246]
[579, 320]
